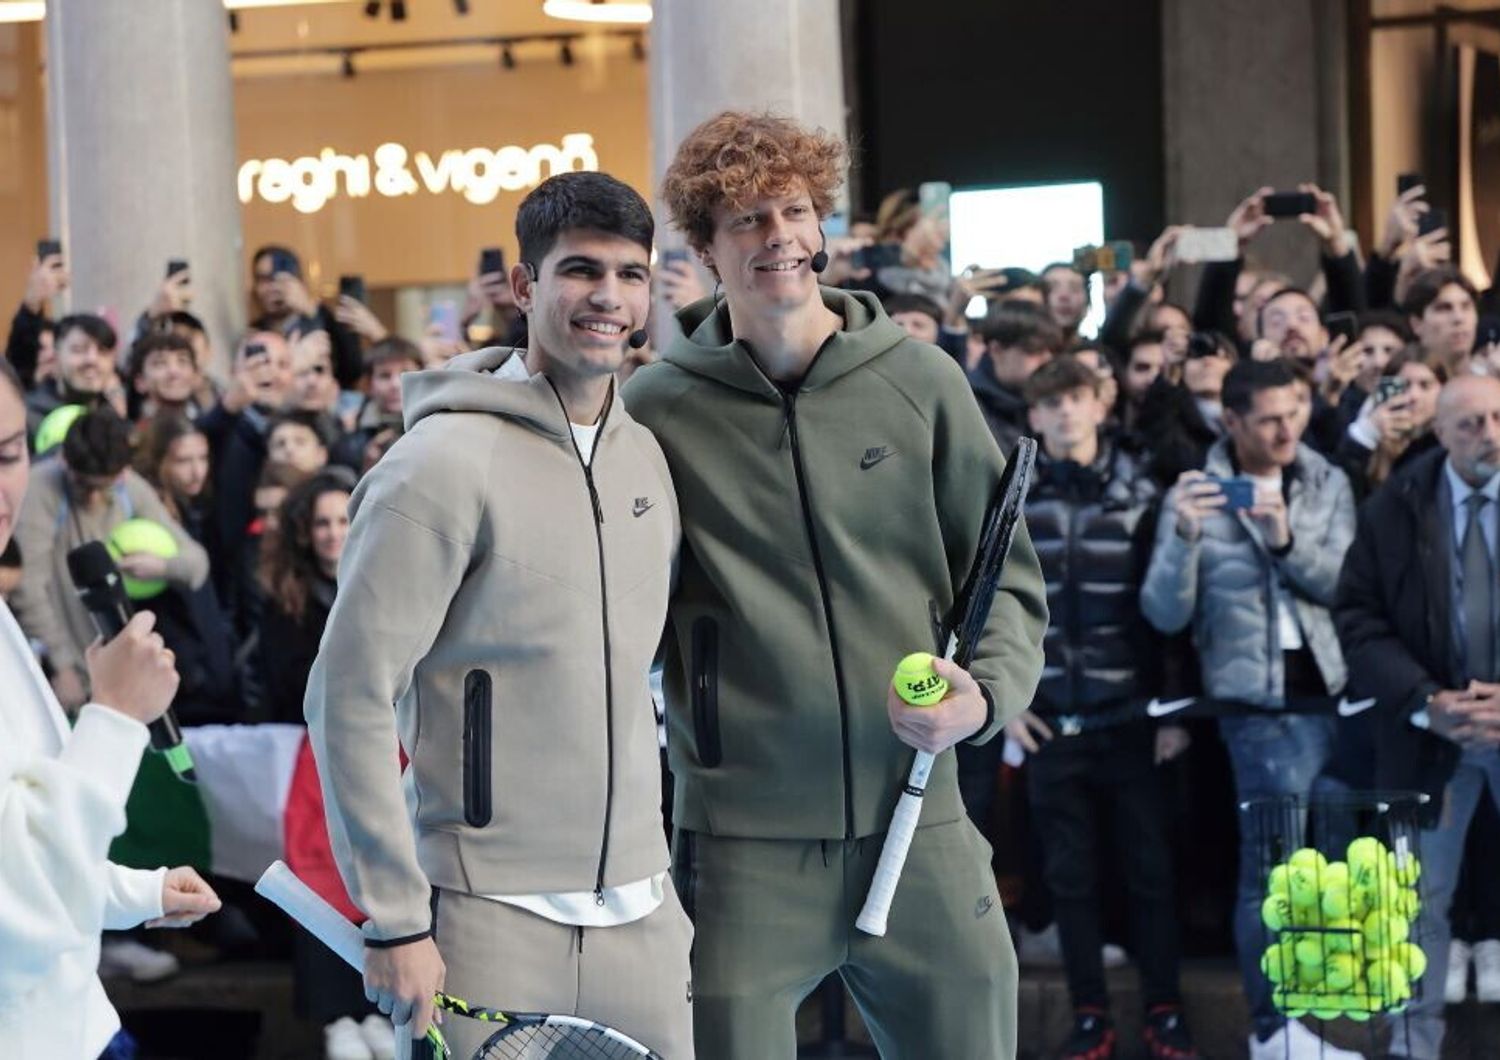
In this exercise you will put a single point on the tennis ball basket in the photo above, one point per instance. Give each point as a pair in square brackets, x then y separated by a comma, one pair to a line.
[1339, 901]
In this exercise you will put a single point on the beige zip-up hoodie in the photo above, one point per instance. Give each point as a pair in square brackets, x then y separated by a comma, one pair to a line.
[498, 608]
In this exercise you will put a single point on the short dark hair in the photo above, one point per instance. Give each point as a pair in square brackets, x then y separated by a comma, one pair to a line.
[1429, 283]
[392, 348]
[181, 318]
[1248, 378]
[912, 303]
[1384, 318]
[320, 423]
[597, 202]
[268, 249]
[95, 327]
[1144, 337]
[155, 342]
[1023, 324]
[1059, 376]
[98, 443]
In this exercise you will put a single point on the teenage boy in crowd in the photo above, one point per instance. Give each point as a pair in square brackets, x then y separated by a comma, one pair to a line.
[832, 476]
[1088, 512]
[1256, 585]
[505, 585]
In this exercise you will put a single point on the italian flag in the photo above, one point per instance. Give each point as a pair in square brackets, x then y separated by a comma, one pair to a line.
[257, 800]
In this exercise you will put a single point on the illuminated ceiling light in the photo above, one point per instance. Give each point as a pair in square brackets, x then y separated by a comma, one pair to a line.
[635, 12]
[507, 57]
[36, 10]
[27, 12]
[565, 54]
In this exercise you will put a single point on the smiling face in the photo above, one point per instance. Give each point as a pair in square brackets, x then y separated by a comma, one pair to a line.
[83, 366]
[588, 295]
[168, 376]
[762, 253]
[1290, 323]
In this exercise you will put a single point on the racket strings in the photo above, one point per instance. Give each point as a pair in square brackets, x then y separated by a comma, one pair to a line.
[550, 1042]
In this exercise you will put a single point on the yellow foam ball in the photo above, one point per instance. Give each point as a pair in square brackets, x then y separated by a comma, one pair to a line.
[135, 536]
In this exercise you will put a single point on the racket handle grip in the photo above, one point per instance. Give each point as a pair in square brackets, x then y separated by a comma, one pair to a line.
[877, 909]
[325, 923]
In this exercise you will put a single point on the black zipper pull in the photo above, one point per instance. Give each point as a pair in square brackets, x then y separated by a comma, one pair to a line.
[594, 497]
[599, 895]
[786, 420]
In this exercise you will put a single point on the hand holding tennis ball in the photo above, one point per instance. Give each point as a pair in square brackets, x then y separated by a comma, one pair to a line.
[934, 704]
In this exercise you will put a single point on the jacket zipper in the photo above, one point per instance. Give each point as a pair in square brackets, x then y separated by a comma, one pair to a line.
[609, 692]
[789, 403]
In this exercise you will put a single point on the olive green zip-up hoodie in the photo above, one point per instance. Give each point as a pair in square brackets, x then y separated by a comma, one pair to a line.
[819, 523]
[498, 607]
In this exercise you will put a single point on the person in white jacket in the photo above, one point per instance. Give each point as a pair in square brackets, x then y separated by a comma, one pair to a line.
[62, 800]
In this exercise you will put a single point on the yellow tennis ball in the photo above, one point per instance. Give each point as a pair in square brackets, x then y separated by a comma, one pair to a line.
[1406, 903]
[1340, 970]
[1278, 883]
[1411, 958]
[141, 535]
[1335, 896]
[1388, 981]
[1407, 870]
[1384, 930]
[916, 682]
[1305, 870]
[55, 426]
[1279, 963]
[1364, 858]
[1310, 952]
[1276, 911]
[1342, 935]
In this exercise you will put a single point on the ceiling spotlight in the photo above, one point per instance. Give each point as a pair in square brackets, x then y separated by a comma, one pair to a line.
[234, 22]
[637, 12]
[461, 7]
[507, 57]
[372, 9]
[565, 54]
[348, 65]
[398, 10]
[638, 49]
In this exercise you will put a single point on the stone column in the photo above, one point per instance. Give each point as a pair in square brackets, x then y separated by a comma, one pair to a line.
[142, 147]
[1254, 93]
[784, 56]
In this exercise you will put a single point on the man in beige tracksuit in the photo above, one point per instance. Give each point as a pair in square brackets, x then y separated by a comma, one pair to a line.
[505, 585]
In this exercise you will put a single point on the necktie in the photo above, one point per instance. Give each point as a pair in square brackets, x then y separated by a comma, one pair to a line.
[1479, 594]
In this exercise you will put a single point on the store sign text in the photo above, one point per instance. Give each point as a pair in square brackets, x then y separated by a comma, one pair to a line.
[479, 174]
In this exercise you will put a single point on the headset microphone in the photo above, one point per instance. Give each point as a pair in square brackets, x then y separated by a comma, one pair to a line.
[638, 338]
[819, 261]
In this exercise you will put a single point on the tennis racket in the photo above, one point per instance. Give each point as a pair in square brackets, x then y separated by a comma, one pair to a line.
[522, 1035]
[957, 638]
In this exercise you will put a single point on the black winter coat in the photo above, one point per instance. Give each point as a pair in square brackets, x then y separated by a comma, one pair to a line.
[1392, 613]
[1004, 409]
[1092, 527]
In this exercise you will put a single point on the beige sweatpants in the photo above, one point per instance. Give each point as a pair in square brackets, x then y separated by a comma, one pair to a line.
[633, 977]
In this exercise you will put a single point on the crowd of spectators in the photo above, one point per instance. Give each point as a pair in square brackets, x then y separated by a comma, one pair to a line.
[1362, 408]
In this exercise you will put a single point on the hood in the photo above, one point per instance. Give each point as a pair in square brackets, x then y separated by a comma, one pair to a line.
[467, 384]
[707, 346]
[989, 391]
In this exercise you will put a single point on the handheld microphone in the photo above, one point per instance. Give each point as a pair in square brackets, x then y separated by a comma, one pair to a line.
[638, 338]
[819, 261]
[102, 591]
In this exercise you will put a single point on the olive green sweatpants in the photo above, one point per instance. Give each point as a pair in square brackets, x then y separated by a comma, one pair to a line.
[773, 917]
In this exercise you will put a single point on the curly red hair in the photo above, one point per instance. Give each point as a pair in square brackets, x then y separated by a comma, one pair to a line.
[736, 157]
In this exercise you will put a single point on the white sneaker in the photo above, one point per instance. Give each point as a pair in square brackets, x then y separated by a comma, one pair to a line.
[1114, 956]
[380, 1036]
[1456, 988]
[1487, 970]
[1043, 949]
[128, 958]
[1296, 1042]
[342, 1040]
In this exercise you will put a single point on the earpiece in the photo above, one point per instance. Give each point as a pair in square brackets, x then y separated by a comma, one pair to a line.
[638, 338]
[819, 261]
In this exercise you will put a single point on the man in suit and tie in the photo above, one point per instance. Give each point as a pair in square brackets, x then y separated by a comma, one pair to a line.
[1417, 617]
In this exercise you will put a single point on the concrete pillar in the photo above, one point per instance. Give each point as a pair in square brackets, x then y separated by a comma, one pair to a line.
[1254, 93]
[142, 145]
[784, 56]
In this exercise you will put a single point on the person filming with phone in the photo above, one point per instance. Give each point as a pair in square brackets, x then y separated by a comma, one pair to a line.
[1247, 553]
[62, 801]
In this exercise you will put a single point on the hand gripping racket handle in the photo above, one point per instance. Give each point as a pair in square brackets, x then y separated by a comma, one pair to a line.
[893, 853]
[297, 900]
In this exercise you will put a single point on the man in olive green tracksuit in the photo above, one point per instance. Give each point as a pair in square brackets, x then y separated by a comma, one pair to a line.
[832, 475]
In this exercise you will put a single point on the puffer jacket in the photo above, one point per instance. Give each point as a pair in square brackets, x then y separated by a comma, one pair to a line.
[1224, 583]
[1088, 524]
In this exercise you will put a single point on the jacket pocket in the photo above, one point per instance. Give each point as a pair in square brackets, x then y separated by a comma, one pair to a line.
[478, 693]
[706, 691]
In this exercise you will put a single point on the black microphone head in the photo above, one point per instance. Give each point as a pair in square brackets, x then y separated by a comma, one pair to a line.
[90, 564]
[819, 261]
[638, 338]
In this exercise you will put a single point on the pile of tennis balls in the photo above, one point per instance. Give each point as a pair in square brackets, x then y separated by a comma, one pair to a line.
[1342, 931]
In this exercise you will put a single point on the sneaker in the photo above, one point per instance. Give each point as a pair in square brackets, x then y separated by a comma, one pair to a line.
[1166, 1035]
[342, 1040]
[380, 1036]
[127, 958]
[1113, 956]
[1093, 1037]
[1487, 970]
[1456, 988]
[1295, 1042]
